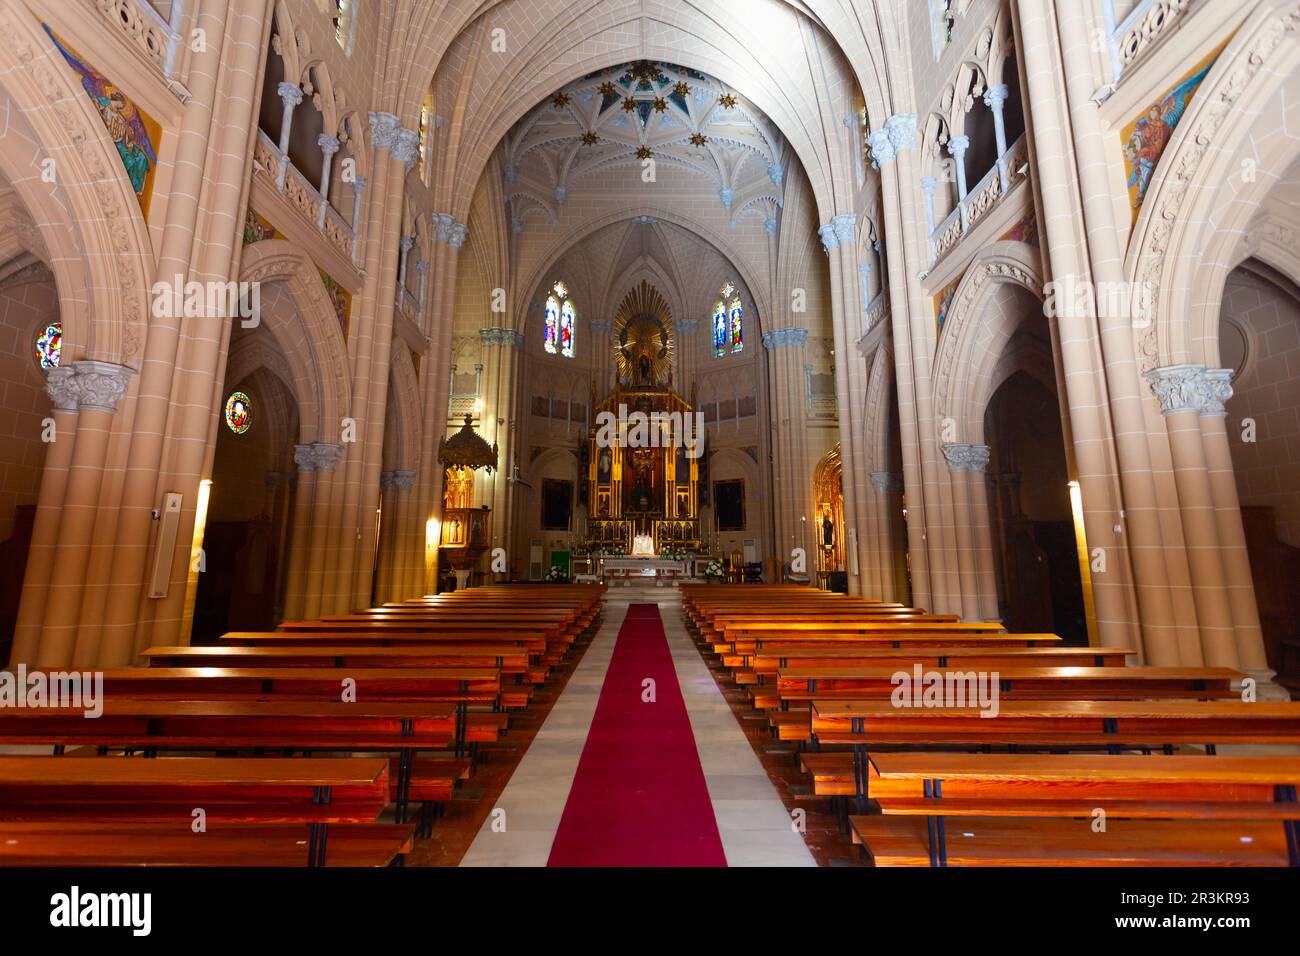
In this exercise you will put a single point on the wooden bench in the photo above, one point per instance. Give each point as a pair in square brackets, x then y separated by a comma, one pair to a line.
[154, 726]
[970, 802]
[175, 844]
[119, 790]
[867, 726]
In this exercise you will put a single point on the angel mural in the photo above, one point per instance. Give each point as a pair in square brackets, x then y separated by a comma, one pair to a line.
[1152, 132]
[124, 122]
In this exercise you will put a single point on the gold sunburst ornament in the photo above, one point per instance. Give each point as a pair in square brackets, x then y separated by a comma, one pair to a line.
[727, 101]
[698, 139]
[589, 138]
[643, 339]
[561, 100]
[607, 89]
[645, 152]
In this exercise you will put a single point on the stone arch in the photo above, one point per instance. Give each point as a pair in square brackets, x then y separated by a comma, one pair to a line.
[96, 237]
[403, 427]
[582, 231]
[975, 335]
[308, 334]
[1198, 203]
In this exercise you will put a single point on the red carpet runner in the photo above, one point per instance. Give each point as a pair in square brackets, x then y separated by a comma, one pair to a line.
[639, 797]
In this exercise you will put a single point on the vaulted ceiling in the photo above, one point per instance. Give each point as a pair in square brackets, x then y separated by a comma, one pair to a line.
[621, 118]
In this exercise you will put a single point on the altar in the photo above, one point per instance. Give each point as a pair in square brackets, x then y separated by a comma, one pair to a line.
[642, 568]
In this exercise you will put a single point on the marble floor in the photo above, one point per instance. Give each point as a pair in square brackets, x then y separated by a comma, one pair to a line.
[753, 821]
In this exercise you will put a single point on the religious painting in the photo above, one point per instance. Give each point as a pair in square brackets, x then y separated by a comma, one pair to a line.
[604, 466]
[943, 302]
[1146, 138]
[133, 131]
[340, 298]
[1026, 231]
[257, 228]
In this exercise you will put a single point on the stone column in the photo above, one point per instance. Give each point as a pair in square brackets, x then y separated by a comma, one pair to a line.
[1116, 502]
[995, 98]
[928, 185]
[959, 465]
[837, 240]
[1181, 391]
[291, 95]
[61, 386]
[985, 566]
[97, 387]
[957, 147]
[310, 528]
[1232, 536]
[329, 145]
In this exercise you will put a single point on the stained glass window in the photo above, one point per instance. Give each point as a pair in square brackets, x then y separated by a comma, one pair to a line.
[728, 322]
[552, 324]
[49, 345]
[561, 322]
[343, 24]
[239, 412]
[566, 329]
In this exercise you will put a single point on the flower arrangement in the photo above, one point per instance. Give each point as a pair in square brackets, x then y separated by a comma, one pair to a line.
[557, 575]
[714, 569]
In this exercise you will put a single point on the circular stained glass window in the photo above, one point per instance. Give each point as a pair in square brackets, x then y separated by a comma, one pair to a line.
[49, 345]
[239, 412]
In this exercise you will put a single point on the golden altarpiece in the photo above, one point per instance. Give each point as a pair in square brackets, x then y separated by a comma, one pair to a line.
[644, 488]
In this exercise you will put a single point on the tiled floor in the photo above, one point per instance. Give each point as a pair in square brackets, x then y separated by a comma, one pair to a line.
[754, 823]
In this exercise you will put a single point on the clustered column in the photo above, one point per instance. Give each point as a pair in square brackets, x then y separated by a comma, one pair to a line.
[1192, 401]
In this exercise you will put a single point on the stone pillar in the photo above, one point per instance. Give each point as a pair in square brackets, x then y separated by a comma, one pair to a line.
[291, 95]
[995, 98]
[61, 386]
[985, 566]
[1181, 391]
[928, 185]
[837, 240]
[1110, 443]
[97, 388]
[308, 546]
[329, 145]
[959, 465]
[957, 147]
[1232, 536]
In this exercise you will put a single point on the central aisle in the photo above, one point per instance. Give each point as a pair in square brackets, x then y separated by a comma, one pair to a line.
[639, 796]
[750, 818]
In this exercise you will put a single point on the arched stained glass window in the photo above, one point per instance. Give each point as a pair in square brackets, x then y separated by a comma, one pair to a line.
[239, 412]
[49, 345]
[561, 322]
[552, 324]
[566, 329]
[728, 322]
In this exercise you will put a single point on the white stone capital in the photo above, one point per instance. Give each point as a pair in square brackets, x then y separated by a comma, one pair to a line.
[290, 93]
[100, 385]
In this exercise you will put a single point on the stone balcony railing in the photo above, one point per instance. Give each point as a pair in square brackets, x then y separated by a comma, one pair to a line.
[1006, 173]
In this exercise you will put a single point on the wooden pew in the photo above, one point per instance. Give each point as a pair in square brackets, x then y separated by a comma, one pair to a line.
[510, 660]
[1116, 725]
[315, 792]
[764, 664]
[1039, 809]
[854, 682]
[155, 726]
[175, 844]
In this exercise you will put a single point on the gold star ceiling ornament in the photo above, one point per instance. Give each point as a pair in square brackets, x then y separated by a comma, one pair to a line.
[645, 152]
[608, 89]
[661, 104]
[629, 104]
[589, 138]
[681, 89]
[698, 139]
[727, 101]
[561, 100]
[643, 338]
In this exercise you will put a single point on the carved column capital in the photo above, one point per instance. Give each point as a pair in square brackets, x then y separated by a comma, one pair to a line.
[100, 385]
[317, 456]
[963, 457]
